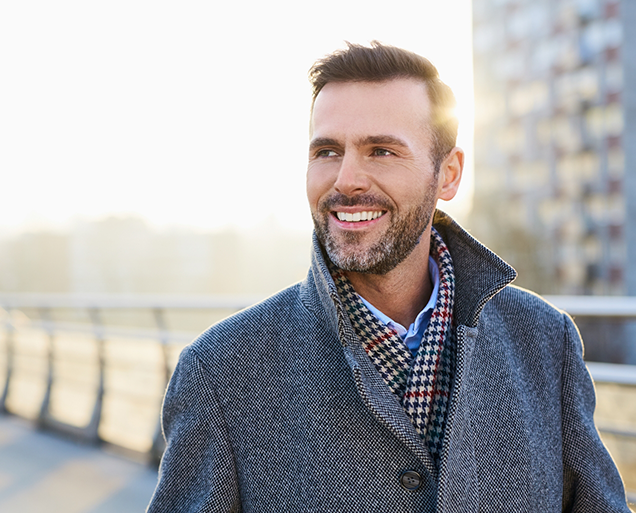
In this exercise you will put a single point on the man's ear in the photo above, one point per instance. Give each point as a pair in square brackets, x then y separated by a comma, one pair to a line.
[450, 174]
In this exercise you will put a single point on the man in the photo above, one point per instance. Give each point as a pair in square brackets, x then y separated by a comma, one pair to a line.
[404, 374]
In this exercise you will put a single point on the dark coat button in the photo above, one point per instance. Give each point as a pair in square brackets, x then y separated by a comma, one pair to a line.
[410, 480]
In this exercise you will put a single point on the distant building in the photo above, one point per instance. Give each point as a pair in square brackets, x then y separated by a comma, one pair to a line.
[555, 141]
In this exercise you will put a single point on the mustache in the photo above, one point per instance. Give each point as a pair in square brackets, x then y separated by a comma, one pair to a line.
[362, 200]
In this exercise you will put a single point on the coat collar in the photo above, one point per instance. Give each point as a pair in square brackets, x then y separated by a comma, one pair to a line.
[479, 273]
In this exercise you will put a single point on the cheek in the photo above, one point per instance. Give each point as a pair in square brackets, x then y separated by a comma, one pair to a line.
[317, 185]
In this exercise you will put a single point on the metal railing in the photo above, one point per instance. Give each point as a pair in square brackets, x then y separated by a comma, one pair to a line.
[42, 307]
[596, 306]
[97, 332]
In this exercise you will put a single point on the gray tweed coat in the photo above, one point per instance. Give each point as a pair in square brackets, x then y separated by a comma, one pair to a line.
[279, 409]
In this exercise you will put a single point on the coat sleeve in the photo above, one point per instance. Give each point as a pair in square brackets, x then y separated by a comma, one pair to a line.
[591, 481]
[197, 471]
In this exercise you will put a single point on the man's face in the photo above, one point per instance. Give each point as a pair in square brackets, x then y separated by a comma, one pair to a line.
[371, 183]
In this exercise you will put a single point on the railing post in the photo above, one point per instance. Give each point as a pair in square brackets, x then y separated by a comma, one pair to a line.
[45, 315]
[92, 430]
[158, 443]
[10, 330]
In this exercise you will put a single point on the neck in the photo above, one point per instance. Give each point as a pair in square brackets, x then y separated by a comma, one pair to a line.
[403, 292]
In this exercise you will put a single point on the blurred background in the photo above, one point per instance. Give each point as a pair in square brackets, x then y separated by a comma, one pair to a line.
[152, 167]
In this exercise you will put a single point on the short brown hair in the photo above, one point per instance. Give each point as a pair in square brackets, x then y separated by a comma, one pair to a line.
[379, 63]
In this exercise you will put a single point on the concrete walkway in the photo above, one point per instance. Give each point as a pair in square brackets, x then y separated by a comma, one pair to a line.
[41, 473]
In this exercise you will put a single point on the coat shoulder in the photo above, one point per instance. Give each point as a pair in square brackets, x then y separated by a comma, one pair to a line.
[528, 324]
[513, 300]
[253, 319]
[253, 332]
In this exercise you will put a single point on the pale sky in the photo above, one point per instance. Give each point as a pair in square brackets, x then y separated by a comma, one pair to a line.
[187, 113]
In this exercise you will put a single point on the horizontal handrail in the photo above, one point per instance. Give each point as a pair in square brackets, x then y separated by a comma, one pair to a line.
[596, 306]
[593, 306]
[610, 430]
[612, 373]
[125, 301]
[168, 337]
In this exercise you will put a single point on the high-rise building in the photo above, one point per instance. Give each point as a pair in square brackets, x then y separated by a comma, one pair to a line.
[555, 141]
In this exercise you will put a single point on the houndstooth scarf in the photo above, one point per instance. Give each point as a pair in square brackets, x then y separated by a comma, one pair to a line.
[422, 382]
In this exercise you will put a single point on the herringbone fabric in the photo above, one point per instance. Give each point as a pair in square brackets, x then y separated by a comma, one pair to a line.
[421, 382]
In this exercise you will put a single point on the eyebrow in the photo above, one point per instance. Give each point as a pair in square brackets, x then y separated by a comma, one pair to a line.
[381, 139]
[322, 141]
[363, 141]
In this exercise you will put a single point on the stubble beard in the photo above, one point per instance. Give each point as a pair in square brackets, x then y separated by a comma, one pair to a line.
[385, 254]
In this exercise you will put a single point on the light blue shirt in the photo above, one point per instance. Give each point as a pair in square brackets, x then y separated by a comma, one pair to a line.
[413, 336]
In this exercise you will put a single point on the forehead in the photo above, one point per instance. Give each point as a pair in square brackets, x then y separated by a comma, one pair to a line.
[365, 108]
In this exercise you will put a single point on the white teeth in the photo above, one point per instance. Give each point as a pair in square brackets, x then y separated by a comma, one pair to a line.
[358, 216]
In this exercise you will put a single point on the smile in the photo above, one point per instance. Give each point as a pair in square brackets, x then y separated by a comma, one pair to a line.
[359, 216]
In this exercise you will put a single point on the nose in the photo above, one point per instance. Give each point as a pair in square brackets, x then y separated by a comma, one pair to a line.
[352, 177]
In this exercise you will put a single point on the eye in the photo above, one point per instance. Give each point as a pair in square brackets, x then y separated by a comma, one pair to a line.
[326, 153]
[382, 152]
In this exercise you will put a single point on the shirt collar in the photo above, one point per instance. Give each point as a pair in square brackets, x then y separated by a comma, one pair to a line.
[433, 272]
